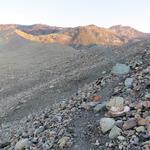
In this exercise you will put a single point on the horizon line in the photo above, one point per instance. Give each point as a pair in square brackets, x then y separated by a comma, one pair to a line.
[72, 26]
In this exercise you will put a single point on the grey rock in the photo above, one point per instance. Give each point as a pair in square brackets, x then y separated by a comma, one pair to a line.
[11, 148]
[115, 131]
[129, 124]
[128, 82]
[88, 105]
[140, 129]
[25, 135]
[106, 124]
[35, 140]
[6, 125]
[119, 123]
[52, 133]
[147, 96]
[36, 124]
[39, 130]
[134, 140]
[100, 107]
[120, 147]
[97, 143]
[50, 143]
[147, 70]
[147, 118]
[146, 143]
[129, 132]
[120, 69]
[125, 143]
[121, 138]
[4, 144]
[63, 104]
[45, 146]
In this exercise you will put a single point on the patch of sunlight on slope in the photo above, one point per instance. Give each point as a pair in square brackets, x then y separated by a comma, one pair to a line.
[50, 38]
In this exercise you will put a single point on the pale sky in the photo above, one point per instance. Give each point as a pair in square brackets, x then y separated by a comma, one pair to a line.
[65, 13]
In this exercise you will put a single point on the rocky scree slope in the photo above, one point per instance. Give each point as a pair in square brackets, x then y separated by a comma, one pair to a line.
[111, 113]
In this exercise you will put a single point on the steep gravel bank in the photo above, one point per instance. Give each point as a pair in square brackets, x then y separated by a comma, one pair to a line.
[77, 122]
[50, 74]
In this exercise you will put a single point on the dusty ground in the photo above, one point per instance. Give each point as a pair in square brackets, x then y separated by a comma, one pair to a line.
[33, 87]
[35, 76]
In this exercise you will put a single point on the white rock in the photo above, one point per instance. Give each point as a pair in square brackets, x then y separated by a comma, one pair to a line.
[121, 138]
[22, 144]
[115, 102]
[140, 129]
[63, 141]
[116, 111]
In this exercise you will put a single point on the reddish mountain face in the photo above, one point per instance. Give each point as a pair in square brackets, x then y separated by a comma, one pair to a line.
[82, 35]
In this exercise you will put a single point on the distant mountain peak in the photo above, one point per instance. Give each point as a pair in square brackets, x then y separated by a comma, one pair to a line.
[117, 26]
[126, 32]
[81, 35]
[92, 25]
[121, 27]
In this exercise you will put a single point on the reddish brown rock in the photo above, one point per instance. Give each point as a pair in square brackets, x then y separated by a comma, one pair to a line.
[95, 98]
[142, 121]
[130, 124]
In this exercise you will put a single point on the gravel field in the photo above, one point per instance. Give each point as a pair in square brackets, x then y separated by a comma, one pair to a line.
[46, 90]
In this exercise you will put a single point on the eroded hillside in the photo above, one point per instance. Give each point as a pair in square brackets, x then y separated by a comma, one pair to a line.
[78, 36]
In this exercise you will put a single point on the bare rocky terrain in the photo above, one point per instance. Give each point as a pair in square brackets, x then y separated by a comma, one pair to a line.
[53, 96]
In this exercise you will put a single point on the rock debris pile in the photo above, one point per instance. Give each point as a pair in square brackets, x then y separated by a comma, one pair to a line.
[117, 103]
